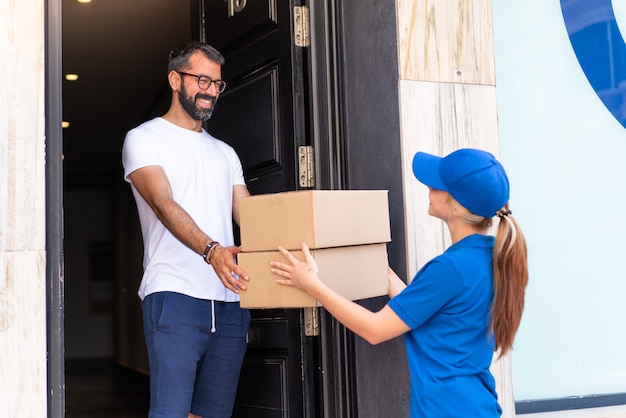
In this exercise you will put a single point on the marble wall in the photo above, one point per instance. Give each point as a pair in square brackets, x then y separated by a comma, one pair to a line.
[447, 101]
[22, 211]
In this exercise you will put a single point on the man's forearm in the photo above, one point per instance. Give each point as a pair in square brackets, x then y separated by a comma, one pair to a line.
[181, 225]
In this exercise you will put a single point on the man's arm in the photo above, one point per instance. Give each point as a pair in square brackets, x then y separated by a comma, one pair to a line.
[239, 191]
[221, 256]
[154, 187]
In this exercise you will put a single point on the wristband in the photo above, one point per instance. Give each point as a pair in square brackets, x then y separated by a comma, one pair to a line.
[209, 250]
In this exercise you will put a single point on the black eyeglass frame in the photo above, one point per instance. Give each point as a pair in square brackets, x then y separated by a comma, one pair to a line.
[202, 79]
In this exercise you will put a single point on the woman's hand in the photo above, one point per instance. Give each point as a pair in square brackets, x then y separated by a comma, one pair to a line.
[374, 327]
[300, 274]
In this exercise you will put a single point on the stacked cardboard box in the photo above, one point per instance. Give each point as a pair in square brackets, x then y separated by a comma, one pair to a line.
[346, 230]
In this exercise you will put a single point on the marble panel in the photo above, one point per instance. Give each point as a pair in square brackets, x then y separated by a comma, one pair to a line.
[23, 374]
[22, 110]
[438, 118]
[23, 334]
[446, 41]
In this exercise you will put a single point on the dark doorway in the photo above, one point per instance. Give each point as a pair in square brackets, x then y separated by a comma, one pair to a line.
[118, 50]
[101, 388]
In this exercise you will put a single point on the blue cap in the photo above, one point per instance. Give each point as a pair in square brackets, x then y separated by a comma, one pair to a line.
[473, 177]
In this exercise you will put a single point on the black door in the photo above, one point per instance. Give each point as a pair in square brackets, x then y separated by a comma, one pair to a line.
[262, 115]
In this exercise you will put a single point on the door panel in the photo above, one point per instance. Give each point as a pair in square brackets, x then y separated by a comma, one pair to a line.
[259, 380]
[255, 133]
[261, 114]
[227, 23]
[257, 112]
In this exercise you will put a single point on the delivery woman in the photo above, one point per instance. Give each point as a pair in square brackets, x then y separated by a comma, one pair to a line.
[462, 305]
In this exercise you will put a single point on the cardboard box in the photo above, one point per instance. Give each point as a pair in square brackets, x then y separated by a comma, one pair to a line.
[356, 272]
[321, 218]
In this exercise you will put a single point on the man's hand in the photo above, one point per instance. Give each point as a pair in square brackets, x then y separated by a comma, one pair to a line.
[223, 262]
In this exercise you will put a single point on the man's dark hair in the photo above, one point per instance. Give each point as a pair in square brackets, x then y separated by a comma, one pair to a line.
[179, 57]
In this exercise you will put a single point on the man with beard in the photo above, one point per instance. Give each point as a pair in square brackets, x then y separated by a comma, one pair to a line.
[187, 185]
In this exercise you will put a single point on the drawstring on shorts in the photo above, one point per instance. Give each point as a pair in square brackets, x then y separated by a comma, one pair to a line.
[213, 329]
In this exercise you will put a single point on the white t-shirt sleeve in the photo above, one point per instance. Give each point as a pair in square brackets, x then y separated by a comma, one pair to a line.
[237, 169]
[140, 149]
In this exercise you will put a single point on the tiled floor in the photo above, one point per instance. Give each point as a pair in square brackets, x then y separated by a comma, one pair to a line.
[101, 389]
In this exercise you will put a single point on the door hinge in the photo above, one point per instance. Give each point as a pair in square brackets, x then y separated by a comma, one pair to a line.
[301, 25]
[305, 163]
[311, 323]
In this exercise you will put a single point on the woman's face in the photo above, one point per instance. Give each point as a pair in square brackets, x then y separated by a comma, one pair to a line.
[439, 204]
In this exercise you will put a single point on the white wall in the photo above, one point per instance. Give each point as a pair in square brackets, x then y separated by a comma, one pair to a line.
[564, 152]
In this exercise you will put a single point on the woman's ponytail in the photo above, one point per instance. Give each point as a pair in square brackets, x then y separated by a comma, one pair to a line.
[510, 272]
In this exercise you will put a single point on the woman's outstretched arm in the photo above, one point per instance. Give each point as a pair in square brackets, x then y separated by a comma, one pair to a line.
[374, 327]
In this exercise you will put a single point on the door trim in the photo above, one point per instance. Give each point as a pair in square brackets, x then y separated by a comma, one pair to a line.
[54, 211]
[338, 382]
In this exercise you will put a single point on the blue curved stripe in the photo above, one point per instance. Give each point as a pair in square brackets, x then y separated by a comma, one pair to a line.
[600, 49]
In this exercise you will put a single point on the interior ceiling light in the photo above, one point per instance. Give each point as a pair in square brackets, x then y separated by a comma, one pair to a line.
[84, 1]
[71, 77]
[65, 124]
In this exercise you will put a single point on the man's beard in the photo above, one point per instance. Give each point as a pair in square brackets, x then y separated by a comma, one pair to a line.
[189, 104]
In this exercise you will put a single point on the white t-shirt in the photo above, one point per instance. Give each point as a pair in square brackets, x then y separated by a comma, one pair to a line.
[202, 172]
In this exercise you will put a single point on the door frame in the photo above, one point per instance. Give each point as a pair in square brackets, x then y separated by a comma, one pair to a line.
[55, 329]
[338, 382]
[345, 130]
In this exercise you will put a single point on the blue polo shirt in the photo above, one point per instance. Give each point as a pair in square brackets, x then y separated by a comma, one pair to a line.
[449, 348]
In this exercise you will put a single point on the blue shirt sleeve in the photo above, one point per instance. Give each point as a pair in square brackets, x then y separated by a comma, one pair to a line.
[436, 284]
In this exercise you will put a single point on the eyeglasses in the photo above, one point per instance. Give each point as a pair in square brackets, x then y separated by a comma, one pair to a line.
[205, 82]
